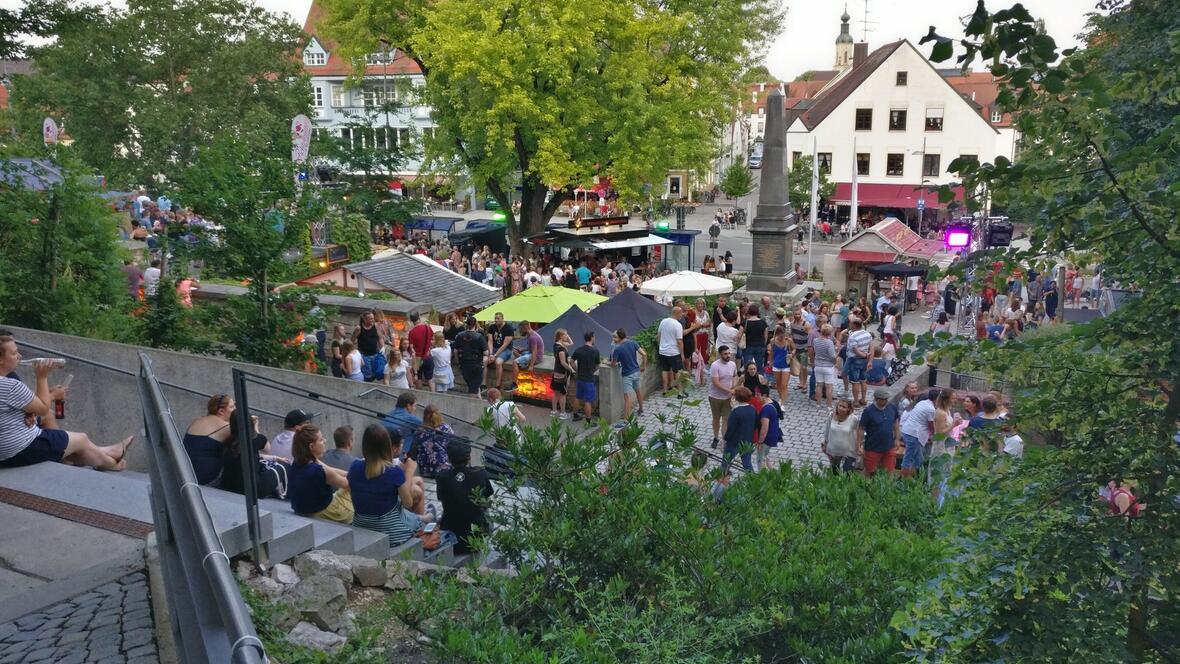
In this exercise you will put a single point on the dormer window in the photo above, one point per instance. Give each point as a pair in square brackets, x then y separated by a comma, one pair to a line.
[315, 58]
[996, 116]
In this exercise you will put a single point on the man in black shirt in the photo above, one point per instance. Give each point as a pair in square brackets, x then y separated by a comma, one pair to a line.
[500, 336]
[464, 492]
[586, 361]
[472, 349]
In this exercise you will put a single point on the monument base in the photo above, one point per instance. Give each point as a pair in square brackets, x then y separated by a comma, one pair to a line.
[789, 296]
[772, 271]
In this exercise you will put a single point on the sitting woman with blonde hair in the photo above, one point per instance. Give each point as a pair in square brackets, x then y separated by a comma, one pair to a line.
[316, 489]
[386, 495]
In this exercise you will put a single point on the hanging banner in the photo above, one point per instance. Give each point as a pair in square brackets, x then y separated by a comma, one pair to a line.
[49, 131]
[300, 138]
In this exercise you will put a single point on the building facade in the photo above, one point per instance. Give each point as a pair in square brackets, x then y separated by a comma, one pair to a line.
[356, 111]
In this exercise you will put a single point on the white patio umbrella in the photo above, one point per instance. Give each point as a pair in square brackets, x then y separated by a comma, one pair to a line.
[686, 283]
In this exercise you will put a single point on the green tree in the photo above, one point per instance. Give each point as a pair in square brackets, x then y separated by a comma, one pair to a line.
[1043, 572]
[799, 184]
[737, 181]
[58, 246]
[141, 90]
[246, 180]
[557, 94]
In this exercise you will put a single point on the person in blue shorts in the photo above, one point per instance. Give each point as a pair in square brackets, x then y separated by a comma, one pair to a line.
[631, 358]
[586, 361]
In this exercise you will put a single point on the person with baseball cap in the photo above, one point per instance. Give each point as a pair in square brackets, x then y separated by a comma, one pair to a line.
[282, 443]
[464, 492]
[879, 433]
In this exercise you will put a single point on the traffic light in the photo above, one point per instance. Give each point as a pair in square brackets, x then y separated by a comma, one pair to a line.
[999, 234]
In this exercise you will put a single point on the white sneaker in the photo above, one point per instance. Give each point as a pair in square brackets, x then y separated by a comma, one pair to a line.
[553, 413]
[563, 416]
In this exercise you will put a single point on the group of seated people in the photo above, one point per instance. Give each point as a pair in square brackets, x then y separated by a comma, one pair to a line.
[380, 490]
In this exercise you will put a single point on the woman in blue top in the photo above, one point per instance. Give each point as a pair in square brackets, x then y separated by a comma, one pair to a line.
[769, 435]
[315, 489]
[740, 429]
[878, 371]
[381, 488]
[206, 438]
[780, 361]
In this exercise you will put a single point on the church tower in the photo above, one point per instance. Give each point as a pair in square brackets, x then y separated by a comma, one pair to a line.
[844, 43]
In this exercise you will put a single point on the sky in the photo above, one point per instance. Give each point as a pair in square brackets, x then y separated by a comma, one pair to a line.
[808, 39]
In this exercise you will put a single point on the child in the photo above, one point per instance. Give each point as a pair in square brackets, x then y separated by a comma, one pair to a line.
[878, 368]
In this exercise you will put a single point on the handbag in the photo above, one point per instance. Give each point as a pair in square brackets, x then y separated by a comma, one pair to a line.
[430, 540]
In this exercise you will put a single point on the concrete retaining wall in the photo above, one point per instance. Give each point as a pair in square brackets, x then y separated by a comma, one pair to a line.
[105, 404]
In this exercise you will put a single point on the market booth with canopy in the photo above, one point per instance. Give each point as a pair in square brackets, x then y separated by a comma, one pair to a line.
[536, 385]
[885, 242]
[685, 283]
[540, 304]
[630, 311]
[613, 238]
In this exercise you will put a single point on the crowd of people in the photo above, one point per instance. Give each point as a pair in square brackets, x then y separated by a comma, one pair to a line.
[380, 488]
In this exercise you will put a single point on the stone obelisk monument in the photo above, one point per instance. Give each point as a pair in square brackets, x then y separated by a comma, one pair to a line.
[772, 272]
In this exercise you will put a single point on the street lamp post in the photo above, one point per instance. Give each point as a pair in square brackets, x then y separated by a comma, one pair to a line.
[385, 88]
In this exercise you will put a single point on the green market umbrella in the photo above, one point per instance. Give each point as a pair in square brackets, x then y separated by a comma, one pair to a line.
[540, 304]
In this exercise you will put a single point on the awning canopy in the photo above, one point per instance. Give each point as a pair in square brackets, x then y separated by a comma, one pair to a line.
[859, 256]
[903, 196]
[686, 283]
[897, 270]
[648, 241]
[444, 224]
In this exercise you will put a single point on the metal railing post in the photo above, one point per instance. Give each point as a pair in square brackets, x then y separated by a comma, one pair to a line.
[248, 457]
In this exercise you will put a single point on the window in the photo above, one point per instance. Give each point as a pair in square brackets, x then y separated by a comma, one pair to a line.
[374, 97]
[894, 164]
[337, 96]
[862, 163]
[897, 120]
[864, 119]
[974, 158]
[403, 138]
[795, 157]
[428, 133]
[379, 58]
[997, 116]
[902, 78]
[825, 162]
[931, 164]
[346, 136]
[674, 185]
[934, 119]
[317, 94]
[315, 58]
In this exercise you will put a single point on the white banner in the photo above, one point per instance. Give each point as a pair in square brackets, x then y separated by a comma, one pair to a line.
[49, 131]
[300, 138]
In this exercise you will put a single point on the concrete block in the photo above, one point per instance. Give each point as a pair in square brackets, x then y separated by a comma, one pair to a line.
[370, 544]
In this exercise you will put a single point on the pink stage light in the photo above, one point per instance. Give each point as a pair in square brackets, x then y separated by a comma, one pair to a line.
[957, 238]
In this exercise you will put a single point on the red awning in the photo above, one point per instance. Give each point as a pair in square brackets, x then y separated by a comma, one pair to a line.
[858, 256]
[924, 249]
[903, 196]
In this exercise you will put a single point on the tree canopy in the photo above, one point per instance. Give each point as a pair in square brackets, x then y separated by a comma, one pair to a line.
[737, 181]
[557, 94]
[140, 90]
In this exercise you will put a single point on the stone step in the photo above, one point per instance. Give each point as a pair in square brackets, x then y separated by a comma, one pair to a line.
[411, 550]
[293, 534]
[370, 544]
[125, 494]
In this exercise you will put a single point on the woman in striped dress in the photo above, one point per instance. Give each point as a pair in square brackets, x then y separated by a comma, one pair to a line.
[383, 489]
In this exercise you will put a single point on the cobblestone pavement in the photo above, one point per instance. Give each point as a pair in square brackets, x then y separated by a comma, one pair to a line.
[111, 624]
[803, 423]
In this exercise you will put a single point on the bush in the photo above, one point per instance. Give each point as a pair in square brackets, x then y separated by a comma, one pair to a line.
[627, 559]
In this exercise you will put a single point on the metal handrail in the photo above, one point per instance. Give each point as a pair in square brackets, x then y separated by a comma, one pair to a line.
[82, 360]
[210, 621]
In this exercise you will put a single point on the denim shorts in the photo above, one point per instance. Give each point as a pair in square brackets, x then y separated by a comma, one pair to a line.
[631, 382]
[854, 368]
[523, 359]
[913, 452]
[506, 356]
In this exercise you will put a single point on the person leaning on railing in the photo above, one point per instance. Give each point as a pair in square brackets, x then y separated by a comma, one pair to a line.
[23, 442]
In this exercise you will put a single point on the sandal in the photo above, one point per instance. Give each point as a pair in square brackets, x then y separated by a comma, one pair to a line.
[126, 446]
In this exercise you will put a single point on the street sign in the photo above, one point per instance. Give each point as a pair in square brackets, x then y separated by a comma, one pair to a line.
[49, 131]
[300, 138]
[921, 203]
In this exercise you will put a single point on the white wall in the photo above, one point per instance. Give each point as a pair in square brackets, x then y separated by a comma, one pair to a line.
[964, 130]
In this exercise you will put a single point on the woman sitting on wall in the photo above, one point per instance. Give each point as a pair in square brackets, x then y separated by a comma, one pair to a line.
[23, 442]
[316, 489]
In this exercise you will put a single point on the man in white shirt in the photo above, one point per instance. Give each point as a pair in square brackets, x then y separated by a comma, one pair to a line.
[151, 278]
[915, 432]
[860, 342]
[558, 275]
[671, 347]
[911, 290]
[723, 375]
